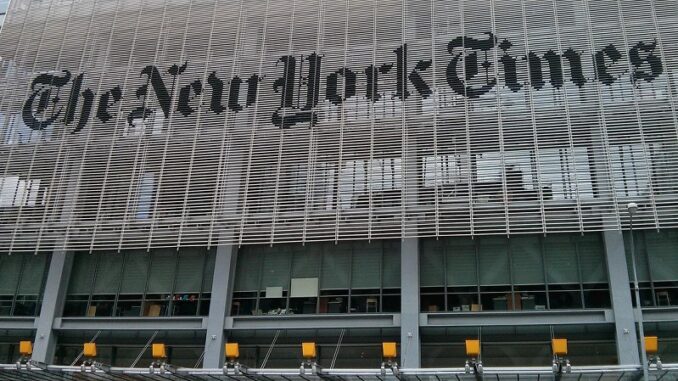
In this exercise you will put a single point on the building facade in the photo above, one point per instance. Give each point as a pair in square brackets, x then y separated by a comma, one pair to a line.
[346, 172]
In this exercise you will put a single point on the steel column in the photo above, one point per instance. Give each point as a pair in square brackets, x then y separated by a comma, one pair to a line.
[410, 352]
[620, 294]
[52, 305]
[222, 289]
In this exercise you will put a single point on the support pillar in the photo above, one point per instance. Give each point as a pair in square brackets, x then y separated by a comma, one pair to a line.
[620, 294]
[220, 303]
[410, 345]
[52, 305]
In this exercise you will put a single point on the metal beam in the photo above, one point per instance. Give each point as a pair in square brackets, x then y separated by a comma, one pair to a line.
[514, 318]
[52, 305]
[620, 294]
[313, 321]
[655, 315]
[17, 322]
[131, 323]
[220, 303]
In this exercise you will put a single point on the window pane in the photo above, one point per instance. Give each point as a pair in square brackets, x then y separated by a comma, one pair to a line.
[642, 265]
[189, 270]
[526, 260]
[493, 261]
[136, 272]
[592, 259]
[82, 273]
[306, 261]
[33, 272]
[10, 266]
[431, 269]
[335, 266]
[249, 258]
[561, 259]
[366, 266]
[461, 262]
[108, 273]
[163, 263]
[209, 270]
[662, 251]
[391, 264]
[276, 267]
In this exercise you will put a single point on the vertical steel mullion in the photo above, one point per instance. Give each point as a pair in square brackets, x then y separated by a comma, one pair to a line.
[93, 278]
[168, 131]
[404, 137]
[125, 257]
[436, 157]
[368, 173]
[281, 141]
[341, 125]
[208, 57]
[603, 121]
[44, 217]
[500, 126]
[38, 143]
[580, 274]
[313, 145]
[224, 151]
[253, 134]
[662, 53]
[641, 132]
[97, 219]
[6, 99]
[88, 138]
[140, 142]
[170, 303]
[467, 121]
[544, 265]
[567, 115]
[535, 131]
[137, 170]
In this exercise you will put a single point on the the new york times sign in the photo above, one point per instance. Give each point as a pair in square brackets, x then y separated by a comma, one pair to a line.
[468, 73]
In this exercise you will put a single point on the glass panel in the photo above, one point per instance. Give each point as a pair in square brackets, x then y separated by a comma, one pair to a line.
[561, 259]
[493, 261]
[33, 274]
[366, 266]
[431, 269]
[335, 266]
[10, 266]
[108, 273]
[189, 270]
[82, 273]
[662, 252]
[461, 262]
[276, 267]
[526, 260]
[592, 259]
[306, 261]
[391, 264]
[248, 265]
[209, 270]
[642, 265]
[163, 264]
[136, 272]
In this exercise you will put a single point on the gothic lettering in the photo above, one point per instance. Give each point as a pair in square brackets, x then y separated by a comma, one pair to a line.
[42, 86]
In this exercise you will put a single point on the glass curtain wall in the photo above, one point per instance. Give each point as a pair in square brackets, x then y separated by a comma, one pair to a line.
[560, 271]
[138, 283]
[22, 280]
[352, 277]
[656, 265]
